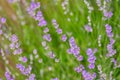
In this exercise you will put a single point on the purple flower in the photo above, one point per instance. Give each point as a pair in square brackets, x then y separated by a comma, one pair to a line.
[22, 68]
[46, 30]
[59, 31]
[41, 19]
[109, 30]
[28, 70]
[17, 51]
[8, 76]
[14, 38]
[55, 23]
[3, 20]
[87, 76]
[108, 14]
[31, 77]
[110, 49]
[51, 54]
[91, 58]
[1, 31]
[54, 78]
[79, 68]
[74, 49]
[91, 66]
[112, 41]
[34, 5]
[42, 23]
[64, 37]
[17, 45]
[89, 52]
[12, 46]
[47, 37]
[80, 58]
[31, 9]
[24, 59]
[72, 42]
[88, 28]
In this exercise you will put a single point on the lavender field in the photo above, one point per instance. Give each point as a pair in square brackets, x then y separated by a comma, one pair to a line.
[59, 39]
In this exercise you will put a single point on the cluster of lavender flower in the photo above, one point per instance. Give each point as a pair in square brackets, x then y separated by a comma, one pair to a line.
[59, 30]
[91, 58]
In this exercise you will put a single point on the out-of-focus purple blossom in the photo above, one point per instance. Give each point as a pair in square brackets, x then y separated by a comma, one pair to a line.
[28, 70]
[23, 70]
[108, 14]
[17, 51]
[74, 49]
[59, 31]
[110, 49]
[88, 28]
[87, 76]
[91, 58]
[17, 45]
[8, 76]
[54, 22]
[109, 30]
[42, 23]
[54, 78]
[1, 31]
[40, 18]
[31, 77]
[10, 1]
[112, 41]
[24, 59]
[3, 20]
[95, 50]
[31, 9]
[80, 58]
[12, 46]
[20, 67]
[51, 54]
[47, 37]
[64, 37]
[79, 68]
[46, 30]
[91, 66]
[14, 38]
[72, 42]
[89, 51]
[114, 61]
